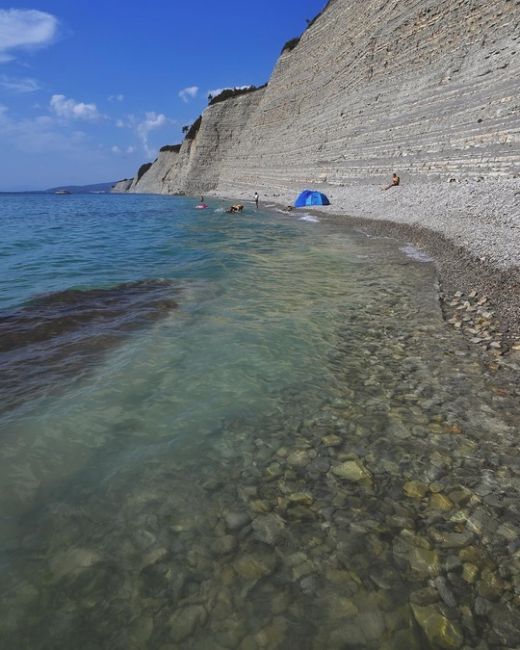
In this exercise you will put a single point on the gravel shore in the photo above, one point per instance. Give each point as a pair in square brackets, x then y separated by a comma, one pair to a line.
[470, 228]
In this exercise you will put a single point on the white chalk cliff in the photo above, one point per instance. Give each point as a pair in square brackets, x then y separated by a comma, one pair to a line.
[427, 87]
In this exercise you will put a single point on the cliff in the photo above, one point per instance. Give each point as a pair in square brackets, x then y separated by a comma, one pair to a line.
[428, 88]
[122, 186]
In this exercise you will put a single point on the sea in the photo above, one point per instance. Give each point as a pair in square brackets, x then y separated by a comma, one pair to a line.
[243, 431]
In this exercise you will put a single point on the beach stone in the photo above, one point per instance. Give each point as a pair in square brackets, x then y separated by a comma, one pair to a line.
[424, 561]
[183, 622]
[372, 623]
[331, 440]
[347, 580]
[452, 540]
[471, 554]
[509, 531]
[236, 520]
[140, 632]
[490, 586]
[302, 498]
[273, 635]
[154, 556]
[439, 630]
[482, 606]
[506, 625]
[268, 528]
[441, 503]
[461, 496]
[470, 572]
[415, 489]
[259, 506]
[352, 470]
[346, 636]
[426, 596]
[249, 643]
[144, 539]
[298, 458]
[273, 471]
[445, 592]
[403, 640]
[280, 601]
[302, 570]
[340, 607]
[225, 544]
[253, 567]
[73, 561]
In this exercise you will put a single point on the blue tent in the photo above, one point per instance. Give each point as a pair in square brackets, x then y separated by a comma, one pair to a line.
[311, 197]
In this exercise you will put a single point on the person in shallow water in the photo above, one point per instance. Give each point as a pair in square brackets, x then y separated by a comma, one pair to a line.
[394, 182]
[256, 197]
[235, 208]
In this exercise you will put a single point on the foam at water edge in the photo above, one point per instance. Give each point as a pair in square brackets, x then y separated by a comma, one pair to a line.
[419, 256]
[309, 217]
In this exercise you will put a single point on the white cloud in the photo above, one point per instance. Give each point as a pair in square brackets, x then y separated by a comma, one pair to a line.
[151, 122]
[116, 98]
[25, 29]
[128, 151]
[25, 85]
[38, 135]
[188, 93]
[70, 109]
[142, 127]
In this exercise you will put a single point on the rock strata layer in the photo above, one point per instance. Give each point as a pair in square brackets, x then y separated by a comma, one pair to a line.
[426, 88]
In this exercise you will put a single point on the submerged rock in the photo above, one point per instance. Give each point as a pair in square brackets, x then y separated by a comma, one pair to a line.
[73, 561]
[236, 520]
[254, 567]
[439, 630]
[184, 621]
[352, 470]
[424, 561]
[269, 528]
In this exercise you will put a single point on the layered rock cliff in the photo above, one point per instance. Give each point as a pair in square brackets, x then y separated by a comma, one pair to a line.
[427, 87]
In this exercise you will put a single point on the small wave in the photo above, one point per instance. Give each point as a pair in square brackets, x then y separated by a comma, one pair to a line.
[415, 254]
[309, 217]
[219, 210]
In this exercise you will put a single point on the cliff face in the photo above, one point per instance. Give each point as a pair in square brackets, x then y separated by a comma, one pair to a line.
[425, 87]
[122, 186]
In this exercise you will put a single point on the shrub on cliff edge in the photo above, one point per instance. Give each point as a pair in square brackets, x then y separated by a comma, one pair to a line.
[194, 129]
[171, 147]
[290, 45]
[229, 93]
[142, 170]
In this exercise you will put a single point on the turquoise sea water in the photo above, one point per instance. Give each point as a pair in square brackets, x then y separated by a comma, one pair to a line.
[208, 426]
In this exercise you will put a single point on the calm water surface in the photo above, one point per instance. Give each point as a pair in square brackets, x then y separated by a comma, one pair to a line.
[243, 432]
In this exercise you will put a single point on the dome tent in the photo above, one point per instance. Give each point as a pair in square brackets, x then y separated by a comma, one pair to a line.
[311, 197]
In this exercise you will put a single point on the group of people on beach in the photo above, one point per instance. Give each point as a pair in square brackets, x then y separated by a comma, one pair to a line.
[239, 207]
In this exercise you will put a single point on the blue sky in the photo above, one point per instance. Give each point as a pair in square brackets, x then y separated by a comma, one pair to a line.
[90, 89]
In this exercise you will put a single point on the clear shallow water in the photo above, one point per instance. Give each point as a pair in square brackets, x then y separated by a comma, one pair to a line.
[258, 434]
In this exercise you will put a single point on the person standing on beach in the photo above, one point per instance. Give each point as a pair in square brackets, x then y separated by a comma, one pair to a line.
[256, 199]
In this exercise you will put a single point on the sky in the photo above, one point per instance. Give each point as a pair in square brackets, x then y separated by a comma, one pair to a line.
[91, 89]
